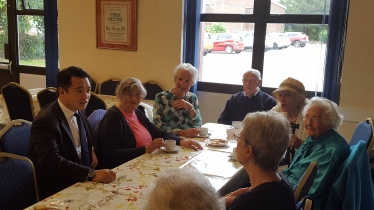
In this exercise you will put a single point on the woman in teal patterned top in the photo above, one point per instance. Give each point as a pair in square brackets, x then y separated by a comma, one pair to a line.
[177, 110]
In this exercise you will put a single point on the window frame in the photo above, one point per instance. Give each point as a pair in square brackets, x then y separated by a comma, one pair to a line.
[261, 17]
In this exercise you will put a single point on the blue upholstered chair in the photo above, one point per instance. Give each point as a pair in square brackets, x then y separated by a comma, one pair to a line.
[108, 87]
[18, 101]
[152, 89]
[14, 137]
[305, 182]
[94, 121]
[18, 182]
[94, 103]
[46, 96]
[352, 187]
[364, 131]
[93, 84]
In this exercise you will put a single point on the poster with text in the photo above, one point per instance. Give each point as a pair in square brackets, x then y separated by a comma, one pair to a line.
[116, 24]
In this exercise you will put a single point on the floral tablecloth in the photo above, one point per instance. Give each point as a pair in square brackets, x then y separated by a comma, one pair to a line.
[134, 176]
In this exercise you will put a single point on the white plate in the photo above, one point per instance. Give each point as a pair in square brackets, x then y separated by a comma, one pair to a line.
[177, 148]
[218, 142]
[198, 136]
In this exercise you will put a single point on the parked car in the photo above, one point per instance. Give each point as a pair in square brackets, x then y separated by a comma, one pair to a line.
[279, 40]
[298, 39]
[228, 42]
[248, 40]
[208, 44]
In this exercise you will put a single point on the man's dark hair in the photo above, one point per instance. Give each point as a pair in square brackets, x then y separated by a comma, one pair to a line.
[64, 76]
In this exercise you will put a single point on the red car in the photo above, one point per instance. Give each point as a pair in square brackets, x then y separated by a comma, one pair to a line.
[298, 39]
[227, 42]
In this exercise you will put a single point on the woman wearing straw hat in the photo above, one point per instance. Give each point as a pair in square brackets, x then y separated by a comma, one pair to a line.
[291, 97]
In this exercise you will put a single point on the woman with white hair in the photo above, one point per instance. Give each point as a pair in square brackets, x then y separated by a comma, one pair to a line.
[182, 189]
[126, 133]
[177, 110]
[324, 145]
[261, 145]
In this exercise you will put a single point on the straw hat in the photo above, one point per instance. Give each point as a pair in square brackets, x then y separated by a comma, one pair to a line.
[290, 84]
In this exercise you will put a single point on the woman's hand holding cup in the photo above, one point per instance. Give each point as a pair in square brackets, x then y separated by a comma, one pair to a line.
[155, 144]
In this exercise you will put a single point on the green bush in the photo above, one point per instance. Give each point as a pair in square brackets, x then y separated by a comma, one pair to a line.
[32, 47]
[323, 36]
[215, 28]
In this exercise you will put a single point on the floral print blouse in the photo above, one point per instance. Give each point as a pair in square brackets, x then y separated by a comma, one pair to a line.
[170, 119]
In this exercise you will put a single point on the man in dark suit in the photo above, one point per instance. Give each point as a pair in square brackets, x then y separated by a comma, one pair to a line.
[60, 140]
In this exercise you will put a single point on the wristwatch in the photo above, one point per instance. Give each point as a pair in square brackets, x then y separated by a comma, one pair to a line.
[91, 174]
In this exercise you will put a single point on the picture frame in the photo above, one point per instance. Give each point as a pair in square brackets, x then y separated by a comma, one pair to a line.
[116, 24]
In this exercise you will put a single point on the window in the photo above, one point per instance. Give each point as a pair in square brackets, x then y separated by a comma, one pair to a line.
[281, 38]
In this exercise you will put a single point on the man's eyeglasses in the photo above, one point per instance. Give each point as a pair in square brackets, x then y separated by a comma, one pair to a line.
[312, 119]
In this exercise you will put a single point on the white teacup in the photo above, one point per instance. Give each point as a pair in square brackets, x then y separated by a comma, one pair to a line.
[230, 132]
[237, 124]
[203, 131]
[170, 144]
[234, 153]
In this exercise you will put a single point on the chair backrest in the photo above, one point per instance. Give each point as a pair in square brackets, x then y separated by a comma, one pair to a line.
[94, 121]
[352, 187]
[95, 103]
[108, 87]
[305, 182]
[14, 137]
[18, 101]
[364, 131]
[305, 203]
[152, 89]
[18, 182]
[93, 85]
[46, 96]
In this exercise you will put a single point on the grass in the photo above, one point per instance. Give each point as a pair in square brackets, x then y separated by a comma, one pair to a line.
[38, 62]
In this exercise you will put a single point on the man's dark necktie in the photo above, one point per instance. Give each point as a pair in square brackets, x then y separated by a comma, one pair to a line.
[85, 156]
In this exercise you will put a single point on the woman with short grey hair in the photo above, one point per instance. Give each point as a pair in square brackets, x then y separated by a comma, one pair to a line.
[177, 110]
[129, 84]
[323, 145]
[182, 189]
[260, 146]
[187, 67]
[126, 133]
[331, 115]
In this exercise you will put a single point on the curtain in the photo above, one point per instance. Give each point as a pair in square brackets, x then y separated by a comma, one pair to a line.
[338, 20]
[51, 42]
[191, 34]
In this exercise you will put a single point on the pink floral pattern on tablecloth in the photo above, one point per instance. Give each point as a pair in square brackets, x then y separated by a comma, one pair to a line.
[134, 176]
[126, 192]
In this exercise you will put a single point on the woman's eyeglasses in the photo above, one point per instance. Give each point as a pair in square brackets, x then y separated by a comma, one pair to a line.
[237, 137]
[312, 119]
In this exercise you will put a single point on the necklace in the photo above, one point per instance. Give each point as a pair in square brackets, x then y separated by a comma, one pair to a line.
[292, 120]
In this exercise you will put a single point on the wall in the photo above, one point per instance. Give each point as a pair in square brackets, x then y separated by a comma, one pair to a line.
[159, 41]
[159, 51]
[356, 98]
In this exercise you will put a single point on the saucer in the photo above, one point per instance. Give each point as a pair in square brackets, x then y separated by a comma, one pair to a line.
[176, 149]
[198, 136]
[218, 142]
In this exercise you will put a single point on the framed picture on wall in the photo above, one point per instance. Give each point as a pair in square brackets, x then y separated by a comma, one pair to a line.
[116, 24]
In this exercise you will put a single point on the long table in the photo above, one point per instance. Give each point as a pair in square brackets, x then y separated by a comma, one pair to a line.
[136, 175]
